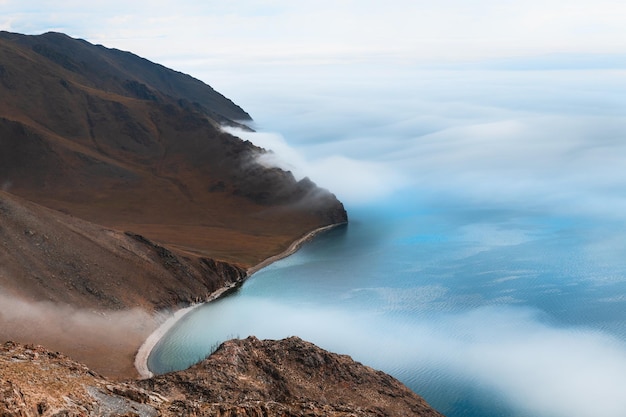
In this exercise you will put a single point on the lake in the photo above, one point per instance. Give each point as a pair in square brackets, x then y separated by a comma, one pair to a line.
[483, 265]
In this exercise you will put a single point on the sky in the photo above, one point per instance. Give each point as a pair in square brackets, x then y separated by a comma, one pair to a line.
[279, 32]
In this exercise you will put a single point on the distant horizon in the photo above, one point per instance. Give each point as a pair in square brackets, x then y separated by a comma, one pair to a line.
[238, 47]
[282, 32]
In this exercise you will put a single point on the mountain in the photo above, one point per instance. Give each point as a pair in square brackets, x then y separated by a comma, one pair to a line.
[116, 140]
[247, 378]
[119, 190]
[118, 72]
[121, 200]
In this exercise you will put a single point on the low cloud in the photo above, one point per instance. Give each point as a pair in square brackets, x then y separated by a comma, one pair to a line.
[541, 140]
[539, 369]
[354, 181]
[79, 333]
[512, 353]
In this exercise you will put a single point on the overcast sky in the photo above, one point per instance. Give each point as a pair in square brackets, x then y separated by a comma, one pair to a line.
[300, 32]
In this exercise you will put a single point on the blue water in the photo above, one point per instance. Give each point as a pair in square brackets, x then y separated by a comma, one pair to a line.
[489, 275]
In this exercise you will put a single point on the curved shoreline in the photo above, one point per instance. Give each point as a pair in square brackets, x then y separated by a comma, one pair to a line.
[141, 358]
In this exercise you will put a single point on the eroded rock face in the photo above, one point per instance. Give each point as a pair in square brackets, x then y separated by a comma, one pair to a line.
[248, 377]
[288, 377]
[37, 382]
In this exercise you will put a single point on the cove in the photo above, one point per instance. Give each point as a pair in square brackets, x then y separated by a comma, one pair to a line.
[476, 310]
[483, 265]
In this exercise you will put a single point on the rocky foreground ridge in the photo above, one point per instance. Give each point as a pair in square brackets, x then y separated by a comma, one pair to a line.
[248, 377]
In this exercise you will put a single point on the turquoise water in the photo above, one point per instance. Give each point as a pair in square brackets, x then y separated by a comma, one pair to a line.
[431, 299]
[484, 261]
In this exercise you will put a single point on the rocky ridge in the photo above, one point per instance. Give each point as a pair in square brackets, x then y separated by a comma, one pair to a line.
[248, 378]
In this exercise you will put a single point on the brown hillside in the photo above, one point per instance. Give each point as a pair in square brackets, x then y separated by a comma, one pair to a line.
[79, 137]
[121, 191]
[126, 73]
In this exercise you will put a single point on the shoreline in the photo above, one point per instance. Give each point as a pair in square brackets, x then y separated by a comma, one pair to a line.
[144, 351]
[142, 355]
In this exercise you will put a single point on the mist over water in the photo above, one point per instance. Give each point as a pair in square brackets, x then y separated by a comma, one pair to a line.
[484, 262]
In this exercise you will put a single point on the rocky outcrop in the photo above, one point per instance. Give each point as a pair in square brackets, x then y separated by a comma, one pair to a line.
[38, 382]
[288, 377]
[248, 378]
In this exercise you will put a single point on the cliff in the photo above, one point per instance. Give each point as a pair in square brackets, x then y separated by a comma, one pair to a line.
[120, 192]
[119, 141]
[247, 377]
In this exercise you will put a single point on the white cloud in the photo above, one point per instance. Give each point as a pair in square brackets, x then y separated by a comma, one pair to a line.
[538, 369]
[549, 371]
[572, 161]
[540, 140]
[353, 181]
[286, 31]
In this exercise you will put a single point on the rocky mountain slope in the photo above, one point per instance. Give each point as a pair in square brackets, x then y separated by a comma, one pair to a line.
[247, 377]
[118, 141]
[52, 256]
[119, 191]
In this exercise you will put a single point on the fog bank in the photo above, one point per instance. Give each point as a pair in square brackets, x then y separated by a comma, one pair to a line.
[508, 178]
[106, 341]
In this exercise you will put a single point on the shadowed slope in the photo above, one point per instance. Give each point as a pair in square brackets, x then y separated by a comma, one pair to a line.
[126, 73]
[79, 137]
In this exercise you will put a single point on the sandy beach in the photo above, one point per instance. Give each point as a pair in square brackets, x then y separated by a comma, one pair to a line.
[141, 358]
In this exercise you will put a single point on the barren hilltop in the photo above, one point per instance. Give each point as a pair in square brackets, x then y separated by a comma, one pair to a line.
[247, 378]
[122, 199]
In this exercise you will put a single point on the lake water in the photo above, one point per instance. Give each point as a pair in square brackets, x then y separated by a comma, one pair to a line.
[483, 265]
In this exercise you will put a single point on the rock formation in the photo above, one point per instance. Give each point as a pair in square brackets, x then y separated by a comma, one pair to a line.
[247, 377]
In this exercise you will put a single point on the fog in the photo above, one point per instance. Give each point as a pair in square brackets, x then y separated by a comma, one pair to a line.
[94, 337]
[356, 181]
[547, 139]
[509, 354]
[509, 163]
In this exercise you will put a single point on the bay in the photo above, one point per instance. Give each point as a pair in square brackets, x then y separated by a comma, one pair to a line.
[483, 265]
